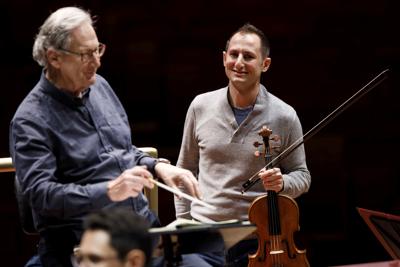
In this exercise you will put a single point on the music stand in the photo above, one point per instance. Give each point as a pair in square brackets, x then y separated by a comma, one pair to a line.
[386, 227]
[179, 240]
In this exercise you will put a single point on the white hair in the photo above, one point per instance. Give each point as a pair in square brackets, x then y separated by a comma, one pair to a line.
[55, 31]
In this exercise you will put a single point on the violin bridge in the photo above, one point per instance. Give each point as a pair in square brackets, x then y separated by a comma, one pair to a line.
[275, 252]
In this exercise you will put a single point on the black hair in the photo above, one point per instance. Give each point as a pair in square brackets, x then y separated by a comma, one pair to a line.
[249, 28]
[127, 230]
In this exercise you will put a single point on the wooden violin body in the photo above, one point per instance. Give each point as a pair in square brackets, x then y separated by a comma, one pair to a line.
[277, 218]
[276, 247]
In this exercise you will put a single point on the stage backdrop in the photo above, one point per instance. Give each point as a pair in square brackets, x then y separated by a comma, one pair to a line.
[161, 54]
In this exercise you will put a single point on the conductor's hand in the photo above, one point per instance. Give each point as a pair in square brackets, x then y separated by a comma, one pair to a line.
[272, 179]
[177, 177]
[129, 184]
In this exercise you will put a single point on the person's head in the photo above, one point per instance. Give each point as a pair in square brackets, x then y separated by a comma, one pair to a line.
[246, 56]
[114, 238]
[68, 48]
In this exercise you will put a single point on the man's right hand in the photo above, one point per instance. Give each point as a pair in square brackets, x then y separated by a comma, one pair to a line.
[129, 184]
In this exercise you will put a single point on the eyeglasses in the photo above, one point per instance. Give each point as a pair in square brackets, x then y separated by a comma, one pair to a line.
[86, 56]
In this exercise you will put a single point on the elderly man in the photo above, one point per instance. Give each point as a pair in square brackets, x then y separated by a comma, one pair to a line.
[71, 143]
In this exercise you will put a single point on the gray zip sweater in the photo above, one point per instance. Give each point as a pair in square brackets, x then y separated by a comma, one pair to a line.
[221, 154]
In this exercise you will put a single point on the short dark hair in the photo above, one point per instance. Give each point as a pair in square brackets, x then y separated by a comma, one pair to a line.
[127, 230]
[249, 28]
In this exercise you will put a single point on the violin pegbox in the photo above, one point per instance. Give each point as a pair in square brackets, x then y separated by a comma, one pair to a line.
[264, 147]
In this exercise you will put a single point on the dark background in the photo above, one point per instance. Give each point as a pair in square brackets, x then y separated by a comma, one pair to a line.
[160, 54]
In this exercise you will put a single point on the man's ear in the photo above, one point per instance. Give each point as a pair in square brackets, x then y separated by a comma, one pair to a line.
[266, 64]
[53, 58]
[224, 57]
[136, 258]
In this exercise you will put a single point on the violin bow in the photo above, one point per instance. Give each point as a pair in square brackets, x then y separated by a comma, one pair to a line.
[364, 90]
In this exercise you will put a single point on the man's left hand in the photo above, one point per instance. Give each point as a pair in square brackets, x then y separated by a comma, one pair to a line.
[174, 177]
[272, 179]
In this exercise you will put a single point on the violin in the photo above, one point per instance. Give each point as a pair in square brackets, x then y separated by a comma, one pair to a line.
[277, 218]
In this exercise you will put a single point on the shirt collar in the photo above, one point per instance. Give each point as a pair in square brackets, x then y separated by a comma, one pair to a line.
[62, 96]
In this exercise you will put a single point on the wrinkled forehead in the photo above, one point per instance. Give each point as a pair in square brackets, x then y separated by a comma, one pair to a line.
[84, 35]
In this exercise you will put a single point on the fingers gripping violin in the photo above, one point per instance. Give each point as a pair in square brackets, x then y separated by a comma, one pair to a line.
[277, 218]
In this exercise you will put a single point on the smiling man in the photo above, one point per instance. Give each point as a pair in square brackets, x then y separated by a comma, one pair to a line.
[70, 140]
[217, 146]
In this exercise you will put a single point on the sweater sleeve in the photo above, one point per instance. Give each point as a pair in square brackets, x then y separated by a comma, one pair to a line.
[188, 159]
[297, 178]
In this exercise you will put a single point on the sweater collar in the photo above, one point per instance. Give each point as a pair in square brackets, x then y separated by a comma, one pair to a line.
[259, 105]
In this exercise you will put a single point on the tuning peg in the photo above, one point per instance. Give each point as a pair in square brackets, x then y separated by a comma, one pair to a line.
[257, 144]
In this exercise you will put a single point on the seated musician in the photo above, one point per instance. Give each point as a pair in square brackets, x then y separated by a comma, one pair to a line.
[115, 237]
[70, 141]
[220, 129]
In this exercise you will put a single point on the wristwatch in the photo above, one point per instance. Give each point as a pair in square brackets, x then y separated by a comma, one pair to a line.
[162, 160]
